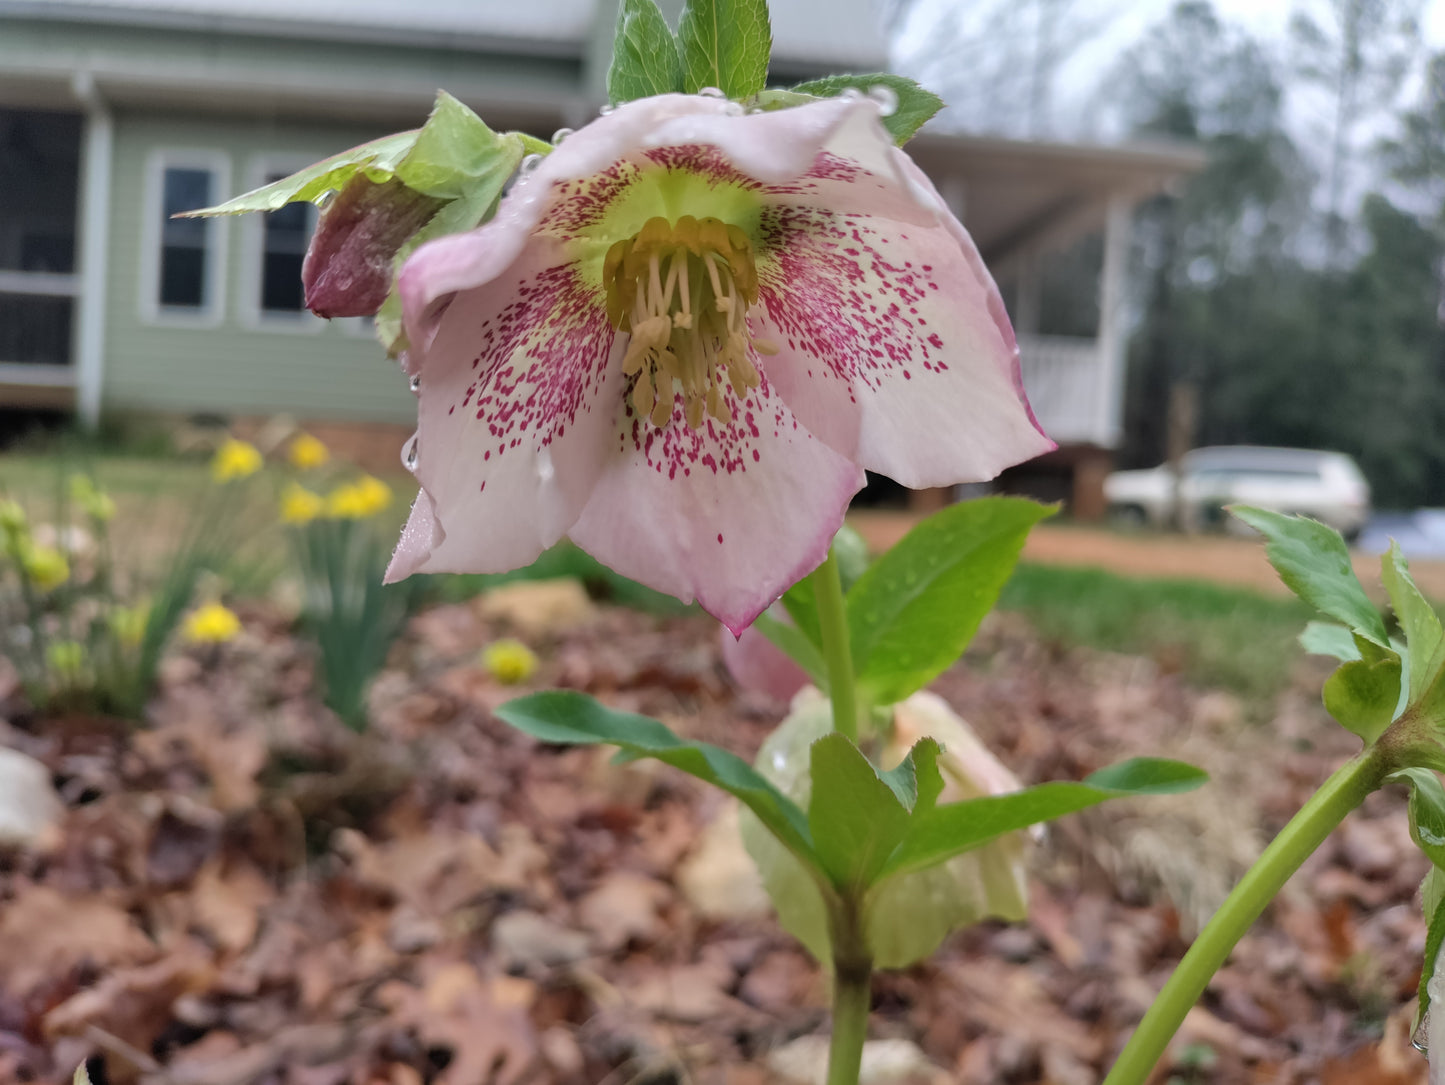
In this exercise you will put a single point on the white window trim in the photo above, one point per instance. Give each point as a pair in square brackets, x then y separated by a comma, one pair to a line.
[213, 312]
[253, 240]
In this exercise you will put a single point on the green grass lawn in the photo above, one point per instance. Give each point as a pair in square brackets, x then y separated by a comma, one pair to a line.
[1219, 636]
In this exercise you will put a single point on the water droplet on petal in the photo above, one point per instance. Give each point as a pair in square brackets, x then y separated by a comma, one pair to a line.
[528, 164]
[607, 111]
[851, 94]
[416, 385]
[323, 201]
[756, 109]
[408, 455]
[780, 760]
[559, 135]
[711, 92]
[886, 97]
[734, 109]
[1420, 1040]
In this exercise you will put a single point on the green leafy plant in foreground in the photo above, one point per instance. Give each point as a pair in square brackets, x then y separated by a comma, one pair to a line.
[839, 858]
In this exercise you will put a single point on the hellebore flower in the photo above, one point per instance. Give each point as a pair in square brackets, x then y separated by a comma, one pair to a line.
[683, 338]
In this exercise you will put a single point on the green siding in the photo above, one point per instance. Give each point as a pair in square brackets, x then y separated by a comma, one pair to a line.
[235, 367]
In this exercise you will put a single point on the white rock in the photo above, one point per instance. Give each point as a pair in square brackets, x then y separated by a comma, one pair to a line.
[30, 810]
[719, 878]
[804, 1061]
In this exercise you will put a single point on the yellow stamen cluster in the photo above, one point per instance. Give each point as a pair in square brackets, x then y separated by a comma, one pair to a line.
[682, 292]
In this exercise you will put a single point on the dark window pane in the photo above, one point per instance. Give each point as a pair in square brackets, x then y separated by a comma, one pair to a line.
[40, 183]
[184, 241]
[35, 329]
[285, 234]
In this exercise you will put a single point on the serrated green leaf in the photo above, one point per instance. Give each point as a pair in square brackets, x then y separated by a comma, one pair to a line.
[911, 615]
[567, 717]
[1362, 695]
[452, 152]
[856, 818]
[1427, 811]
[1433, 892]
[1328, 639]
[725, 44]
[956, 827]
[916, 105]
[794, 643]
[1314, 563]
[1423, 634]
[645, 58]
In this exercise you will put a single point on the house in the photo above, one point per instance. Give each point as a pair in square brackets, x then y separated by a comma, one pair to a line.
[114, 114]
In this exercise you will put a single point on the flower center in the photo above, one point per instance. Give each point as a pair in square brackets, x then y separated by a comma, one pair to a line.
[682, 293]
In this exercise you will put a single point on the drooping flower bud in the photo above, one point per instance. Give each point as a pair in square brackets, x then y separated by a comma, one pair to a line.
[347, 271]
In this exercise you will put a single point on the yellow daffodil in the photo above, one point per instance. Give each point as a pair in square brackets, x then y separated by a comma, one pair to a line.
[300, 505]
[66, 658]
[211, 624]
[306, 452]
[509, 661]
[235, 459]
[128, 624]
[13, 523]
[93, 501]
[45, 566]
[358, 500]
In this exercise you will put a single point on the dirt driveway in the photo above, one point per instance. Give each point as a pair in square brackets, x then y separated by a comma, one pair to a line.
[1218, 558]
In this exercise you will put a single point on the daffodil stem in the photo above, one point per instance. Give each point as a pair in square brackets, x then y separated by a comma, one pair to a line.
[837, 654]
[1306, 831]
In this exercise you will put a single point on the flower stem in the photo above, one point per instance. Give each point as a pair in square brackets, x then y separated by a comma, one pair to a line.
[852, 994]
[1306, 831]
[837, 653]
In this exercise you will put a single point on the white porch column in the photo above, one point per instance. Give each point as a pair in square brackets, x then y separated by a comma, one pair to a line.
[97, 151]
[1110, 405]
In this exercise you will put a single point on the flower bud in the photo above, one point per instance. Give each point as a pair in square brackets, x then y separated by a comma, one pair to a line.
[348, 268]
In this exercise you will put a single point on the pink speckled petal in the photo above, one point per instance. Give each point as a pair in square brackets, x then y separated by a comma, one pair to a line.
[893, 346]
[421, 535]
[728, 515]
[518, 400]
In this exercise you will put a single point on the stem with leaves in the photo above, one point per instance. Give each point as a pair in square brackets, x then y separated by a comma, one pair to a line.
[837, 654]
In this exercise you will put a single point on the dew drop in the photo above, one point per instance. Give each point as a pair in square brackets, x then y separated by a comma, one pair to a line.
[408, 455]
[324, 200]
[780, 760]
[528, 165]
[415, 385]
[734, 109]
[756, 109]
[559, 135]
[886, 97]
[607, 111]
[1420, 1039]
[711, 92]
[851, 94]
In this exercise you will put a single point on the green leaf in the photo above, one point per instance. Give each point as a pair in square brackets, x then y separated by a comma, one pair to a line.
[1314, 563]
[957, 827]
[801, 603]
[1433, 893]
[1329, 639]
[452, 152]
[794, 643]
[1363, 694]
[856, 818]
[916, 106]
[645, 58]
[913, 612]
[1423, 634]
[567, 717]
[1427, 811]
[725, 44]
